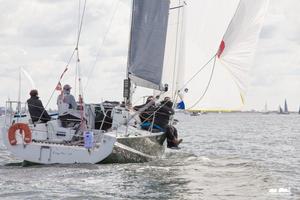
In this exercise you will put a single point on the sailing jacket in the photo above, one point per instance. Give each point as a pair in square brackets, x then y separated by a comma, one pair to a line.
[36, 109]
[162, 115]
[68, 99]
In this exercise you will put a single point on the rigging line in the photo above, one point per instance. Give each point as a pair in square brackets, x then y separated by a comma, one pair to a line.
[80, 91]
[143, 109]
[182, 44]
[81, 22]
[146, 106]
[185, 84]
[69, 61]
[79, 14]
[61, 76]
[77, 33]
[76, 77]
[82, 124]
[127, 123]
[176, 62]
[208, 84]
[102, 43]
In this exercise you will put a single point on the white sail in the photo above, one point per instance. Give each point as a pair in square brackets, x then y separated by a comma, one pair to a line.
[205, 26]
[241, 22]
[173, 71]
[238, 45]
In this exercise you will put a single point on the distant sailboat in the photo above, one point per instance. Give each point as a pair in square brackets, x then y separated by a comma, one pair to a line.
[265, 111]
[280, 111]
[285, 111]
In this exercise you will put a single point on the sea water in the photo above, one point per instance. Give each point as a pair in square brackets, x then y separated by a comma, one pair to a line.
[223, 156]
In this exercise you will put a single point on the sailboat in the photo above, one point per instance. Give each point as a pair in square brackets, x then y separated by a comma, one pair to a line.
[280, 111]
[284, 111]
[109, 131]
[266, 111]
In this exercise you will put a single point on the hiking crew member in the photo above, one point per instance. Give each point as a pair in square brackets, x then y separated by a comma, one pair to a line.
[162, 118]
[172, 137]
[163, 114]
[146, 116]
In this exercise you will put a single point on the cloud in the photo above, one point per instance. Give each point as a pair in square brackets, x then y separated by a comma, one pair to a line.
[275, 74]
[40, 35]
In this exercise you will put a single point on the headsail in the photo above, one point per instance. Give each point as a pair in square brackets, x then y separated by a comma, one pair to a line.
[233, 57]
[147, 42]
[174, 63]
[237, 47]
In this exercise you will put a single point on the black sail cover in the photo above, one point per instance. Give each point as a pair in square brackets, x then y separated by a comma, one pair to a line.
[147, 42]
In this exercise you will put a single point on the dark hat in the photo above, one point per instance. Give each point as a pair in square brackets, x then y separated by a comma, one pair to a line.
[33, 93]
[67, 87]
[150, 98]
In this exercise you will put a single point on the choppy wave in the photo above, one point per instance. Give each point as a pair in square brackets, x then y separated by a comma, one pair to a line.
[223, 156]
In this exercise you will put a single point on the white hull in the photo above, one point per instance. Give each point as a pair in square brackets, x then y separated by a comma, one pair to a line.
[141, 147]
[53, 143]
[51, 153]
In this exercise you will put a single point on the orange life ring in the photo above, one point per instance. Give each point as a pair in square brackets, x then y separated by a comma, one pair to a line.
[23, 128]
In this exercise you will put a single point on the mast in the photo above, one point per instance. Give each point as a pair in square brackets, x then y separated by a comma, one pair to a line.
[127, 91]
[19, 93]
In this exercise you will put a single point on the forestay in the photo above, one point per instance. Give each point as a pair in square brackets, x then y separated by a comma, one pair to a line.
[147, 42]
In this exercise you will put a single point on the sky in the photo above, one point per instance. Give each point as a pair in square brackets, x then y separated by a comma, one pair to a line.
[40, 36]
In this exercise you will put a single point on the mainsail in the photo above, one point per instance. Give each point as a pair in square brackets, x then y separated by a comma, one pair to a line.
[147, 42]
[233, 58]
